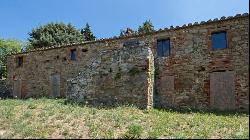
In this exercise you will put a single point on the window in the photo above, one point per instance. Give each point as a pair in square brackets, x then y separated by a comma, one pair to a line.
[84, 50]
[219, 40]
[73, 54]
[163, 47]
[19, 61]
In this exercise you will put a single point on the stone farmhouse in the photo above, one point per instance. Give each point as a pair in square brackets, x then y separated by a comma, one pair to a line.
[202, 65]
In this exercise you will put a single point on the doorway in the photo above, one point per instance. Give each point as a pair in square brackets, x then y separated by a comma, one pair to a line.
[55, 85]
[222, 95]
[17, 88]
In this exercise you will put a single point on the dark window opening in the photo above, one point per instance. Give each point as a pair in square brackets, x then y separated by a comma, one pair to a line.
[19, 61]
[163, 47]
[219, 40]
[201, 69]
[219, 70]
[84, 50]
[73, 54]
[110, 70]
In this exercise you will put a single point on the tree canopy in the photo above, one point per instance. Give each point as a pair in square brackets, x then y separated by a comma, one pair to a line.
[54, 34]
[7, 47]
[146, 27]
[127, 32]
[87, 33]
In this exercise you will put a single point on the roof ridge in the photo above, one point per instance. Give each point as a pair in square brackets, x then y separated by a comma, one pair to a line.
[223, 18]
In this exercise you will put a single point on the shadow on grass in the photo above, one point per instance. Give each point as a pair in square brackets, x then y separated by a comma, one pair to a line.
[183, 110]
[168, 109]
[101, 105]
[187, 110]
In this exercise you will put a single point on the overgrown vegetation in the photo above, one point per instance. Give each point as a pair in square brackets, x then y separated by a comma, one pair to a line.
[127, 32]
[7, 46]
[48, 118]
[87, 33]
[146, 27]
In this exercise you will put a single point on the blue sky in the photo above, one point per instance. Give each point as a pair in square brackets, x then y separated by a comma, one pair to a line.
[108, 17]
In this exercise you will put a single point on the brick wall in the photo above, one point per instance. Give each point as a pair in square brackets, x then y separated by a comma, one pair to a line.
[182, 79]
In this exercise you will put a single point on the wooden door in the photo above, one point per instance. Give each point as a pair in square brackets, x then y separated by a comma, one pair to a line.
[55, 85]
[222, 87]
[17, 88]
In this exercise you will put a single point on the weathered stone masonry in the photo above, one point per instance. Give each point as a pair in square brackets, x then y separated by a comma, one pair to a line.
[128, 70]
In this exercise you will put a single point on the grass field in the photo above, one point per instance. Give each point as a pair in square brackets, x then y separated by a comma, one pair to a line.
[47, 118]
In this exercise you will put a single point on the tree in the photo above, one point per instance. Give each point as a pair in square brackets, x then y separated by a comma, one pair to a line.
[26, 46]
[7, 47]
[127, 32]
[146, 27]
[87, 33]
[54, 34]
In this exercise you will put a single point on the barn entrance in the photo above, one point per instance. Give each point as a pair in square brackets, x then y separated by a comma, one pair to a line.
[222, 87]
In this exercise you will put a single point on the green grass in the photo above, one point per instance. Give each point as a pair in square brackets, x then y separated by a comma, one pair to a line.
[48, 118]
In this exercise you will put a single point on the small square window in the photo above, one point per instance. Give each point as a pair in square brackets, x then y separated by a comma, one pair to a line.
[163, 47]
[73, 54]
[84, 50]
[19, 61]
[219, 40]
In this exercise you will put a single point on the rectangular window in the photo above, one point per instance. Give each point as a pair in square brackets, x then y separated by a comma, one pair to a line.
[163, 47]
[19, 61]
[73, 54]
[219, 40]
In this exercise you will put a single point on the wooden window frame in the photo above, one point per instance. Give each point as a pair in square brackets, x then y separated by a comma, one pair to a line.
[217, 32]
[162, 55]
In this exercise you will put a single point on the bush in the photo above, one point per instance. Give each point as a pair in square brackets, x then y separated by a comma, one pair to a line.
[134, 131]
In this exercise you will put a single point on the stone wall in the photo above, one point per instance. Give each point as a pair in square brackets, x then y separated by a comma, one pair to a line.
[39, 66]
[101, 74]
[110, 73]
[116, 76]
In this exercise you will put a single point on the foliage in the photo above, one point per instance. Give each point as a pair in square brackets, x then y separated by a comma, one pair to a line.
[7, 47]
[50, 118]
[134, 131]
[127, 32]
[26, 46]
[87, 33]
[54, 34]
[146, 27]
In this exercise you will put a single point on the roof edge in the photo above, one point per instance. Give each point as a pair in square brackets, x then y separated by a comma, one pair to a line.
[189, 25]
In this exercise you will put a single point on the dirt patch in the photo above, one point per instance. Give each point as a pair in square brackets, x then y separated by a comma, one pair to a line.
[2, 132]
